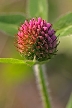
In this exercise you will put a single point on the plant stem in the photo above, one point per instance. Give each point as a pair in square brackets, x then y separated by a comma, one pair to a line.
[41, 82]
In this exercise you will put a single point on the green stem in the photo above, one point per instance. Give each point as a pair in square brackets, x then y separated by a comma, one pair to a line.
[41, 81]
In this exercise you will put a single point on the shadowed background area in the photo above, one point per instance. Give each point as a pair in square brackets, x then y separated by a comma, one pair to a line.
[18, 87]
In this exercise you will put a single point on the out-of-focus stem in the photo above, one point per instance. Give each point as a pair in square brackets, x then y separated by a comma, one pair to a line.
[41, 82]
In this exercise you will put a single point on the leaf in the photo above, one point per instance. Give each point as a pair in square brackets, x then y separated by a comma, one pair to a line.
[69, 105]
[11, 60]
[9, 23]
[16, 61]
[38, 8]
[64, 25]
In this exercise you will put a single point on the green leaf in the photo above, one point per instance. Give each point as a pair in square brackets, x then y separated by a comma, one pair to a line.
[64, 25]
[16, 61]
[9, 23]
[69, 105]
[11, 60]
[38, 8]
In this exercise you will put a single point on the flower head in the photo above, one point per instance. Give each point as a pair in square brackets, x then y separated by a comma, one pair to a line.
[36, 39]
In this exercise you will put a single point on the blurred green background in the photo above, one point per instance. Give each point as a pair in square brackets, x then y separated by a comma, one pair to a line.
[18, 87]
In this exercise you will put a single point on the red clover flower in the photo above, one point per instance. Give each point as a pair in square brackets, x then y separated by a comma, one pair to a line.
[36, 39]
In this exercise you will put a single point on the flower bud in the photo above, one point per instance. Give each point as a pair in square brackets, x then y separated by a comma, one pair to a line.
[36, 39]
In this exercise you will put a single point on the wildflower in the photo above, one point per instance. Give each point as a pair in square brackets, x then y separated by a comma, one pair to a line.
[36, 39]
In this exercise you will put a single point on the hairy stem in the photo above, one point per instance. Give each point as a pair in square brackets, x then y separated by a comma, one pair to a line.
[41, 82]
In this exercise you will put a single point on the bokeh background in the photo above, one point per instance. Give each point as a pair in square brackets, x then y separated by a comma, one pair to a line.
[18, 87]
